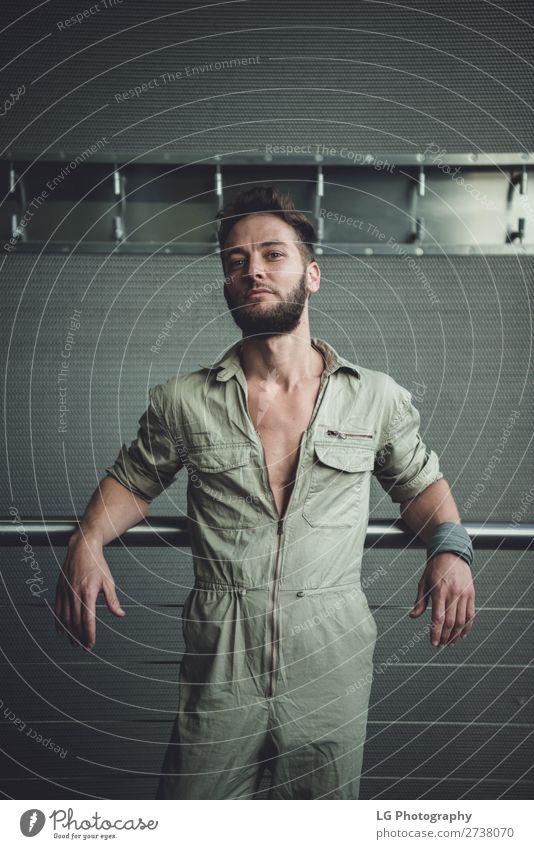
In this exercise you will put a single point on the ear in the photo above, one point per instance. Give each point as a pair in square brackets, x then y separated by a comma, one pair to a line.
[313, 277]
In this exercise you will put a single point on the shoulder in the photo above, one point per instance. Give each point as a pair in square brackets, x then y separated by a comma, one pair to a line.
[381, 385]
[172, 396]
[167, 396]
[385, 398]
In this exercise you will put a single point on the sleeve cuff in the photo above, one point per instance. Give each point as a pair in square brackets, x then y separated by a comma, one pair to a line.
[427, 475]
[148, 492]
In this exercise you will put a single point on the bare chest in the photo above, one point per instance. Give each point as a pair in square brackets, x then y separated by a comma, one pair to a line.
[281, 420]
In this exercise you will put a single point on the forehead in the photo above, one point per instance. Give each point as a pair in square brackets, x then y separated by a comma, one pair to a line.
[259, 227]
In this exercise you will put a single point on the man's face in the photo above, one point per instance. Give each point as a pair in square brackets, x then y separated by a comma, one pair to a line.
[261, 253]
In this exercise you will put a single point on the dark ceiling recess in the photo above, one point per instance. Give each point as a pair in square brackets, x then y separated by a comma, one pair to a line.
[425, 207]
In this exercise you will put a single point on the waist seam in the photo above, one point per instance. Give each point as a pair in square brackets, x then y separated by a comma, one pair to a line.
[227, 587]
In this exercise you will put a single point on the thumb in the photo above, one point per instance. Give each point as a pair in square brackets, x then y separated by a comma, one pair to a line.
[113, 603]
[421, 601]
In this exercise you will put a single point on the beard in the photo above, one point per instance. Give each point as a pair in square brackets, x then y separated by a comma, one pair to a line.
[270, 319]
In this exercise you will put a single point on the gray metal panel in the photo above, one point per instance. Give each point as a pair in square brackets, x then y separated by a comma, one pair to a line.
[362, 76]
[139, 787]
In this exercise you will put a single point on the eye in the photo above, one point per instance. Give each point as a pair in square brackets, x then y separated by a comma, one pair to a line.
[234, 261]
[275, 252]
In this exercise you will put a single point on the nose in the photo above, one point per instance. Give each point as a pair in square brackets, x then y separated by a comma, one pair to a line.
[255, 269]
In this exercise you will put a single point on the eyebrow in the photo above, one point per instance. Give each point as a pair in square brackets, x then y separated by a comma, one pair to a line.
[241, 250]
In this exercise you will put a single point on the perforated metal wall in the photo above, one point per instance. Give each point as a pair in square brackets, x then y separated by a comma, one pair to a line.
[368, 76]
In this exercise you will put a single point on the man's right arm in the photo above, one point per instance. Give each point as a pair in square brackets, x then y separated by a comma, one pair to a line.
[111, 511]
[122, 499]
[85, 573]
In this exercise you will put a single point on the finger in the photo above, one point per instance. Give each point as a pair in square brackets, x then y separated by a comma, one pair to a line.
[421, 599]
[470, 614]
[461, 608]
[438, 615]
[65, 617]
[68, 614]
[450, 619]
[89, 621]
[112, 601]
[76, 618]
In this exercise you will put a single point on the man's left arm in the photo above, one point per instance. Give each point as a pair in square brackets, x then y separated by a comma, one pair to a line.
[411, 475]
[447, 578]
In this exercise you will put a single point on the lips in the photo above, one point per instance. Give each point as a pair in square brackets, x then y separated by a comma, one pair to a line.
[254, 292]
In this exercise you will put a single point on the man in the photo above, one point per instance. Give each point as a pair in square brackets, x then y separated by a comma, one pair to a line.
[279, 438]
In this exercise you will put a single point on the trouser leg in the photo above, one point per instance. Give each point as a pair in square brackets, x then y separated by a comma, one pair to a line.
[319, 753]
[319, 711]
[217, 754]
[215, 750]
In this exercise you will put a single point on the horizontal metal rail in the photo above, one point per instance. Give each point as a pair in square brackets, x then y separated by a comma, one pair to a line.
[317, 153]
[330, 249]
[166, 530]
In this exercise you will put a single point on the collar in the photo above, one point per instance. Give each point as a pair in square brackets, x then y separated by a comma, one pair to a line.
[230, 361]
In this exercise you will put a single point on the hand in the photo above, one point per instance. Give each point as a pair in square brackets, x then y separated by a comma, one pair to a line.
[85, 573]
[448, 581]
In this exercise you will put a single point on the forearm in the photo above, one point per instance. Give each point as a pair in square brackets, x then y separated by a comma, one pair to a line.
[111, 510]
[430, 508]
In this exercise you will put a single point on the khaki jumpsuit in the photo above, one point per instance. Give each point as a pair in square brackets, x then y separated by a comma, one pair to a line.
[279, 639]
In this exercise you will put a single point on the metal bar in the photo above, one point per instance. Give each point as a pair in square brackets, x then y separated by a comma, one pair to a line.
[328, 249]
[119, 221]
[219, 185]
[421, 183]
[165, 530]
[520, 179]
[319, 221]
[348, 155]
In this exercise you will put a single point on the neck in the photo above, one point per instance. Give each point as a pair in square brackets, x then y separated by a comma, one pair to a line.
[288, 359]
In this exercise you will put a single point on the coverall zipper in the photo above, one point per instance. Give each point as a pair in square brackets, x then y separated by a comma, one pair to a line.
[342, 434]
[280, 521]
[279, 531]
[276, 576]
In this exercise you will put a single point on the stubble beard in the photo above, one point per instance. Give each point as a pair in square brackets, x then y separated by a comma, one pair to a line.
[279, 317]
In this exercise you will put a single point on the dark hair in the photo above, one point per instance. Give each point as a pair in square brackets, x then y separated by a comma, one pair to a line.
[272, 200]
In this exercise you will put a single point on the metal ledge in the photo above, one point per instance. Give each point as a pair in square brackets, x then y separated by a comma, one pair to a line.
[332, 249]
[260, 156]
[165, 530]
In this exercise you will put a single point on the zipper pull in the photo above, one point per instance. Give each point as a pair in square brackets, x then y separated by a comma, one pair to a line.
[280, 526]
[344, 434]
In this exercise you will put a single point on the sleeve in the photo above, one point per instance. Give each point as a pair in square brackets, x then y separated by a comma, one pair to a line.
[150, 464]
[404, 466]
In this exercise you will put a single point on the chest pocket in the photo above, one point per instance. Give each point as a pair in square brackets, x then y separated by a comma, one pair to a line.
[223, 488]
[339, 483]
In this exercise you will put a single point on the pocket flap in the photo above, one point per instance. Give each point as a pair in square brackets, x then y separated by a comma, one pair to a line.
[221, 458]
[347, 458]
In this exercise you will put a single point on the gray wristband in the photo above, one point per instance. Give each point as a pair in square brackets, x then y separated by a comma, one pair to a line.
[448, 536]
